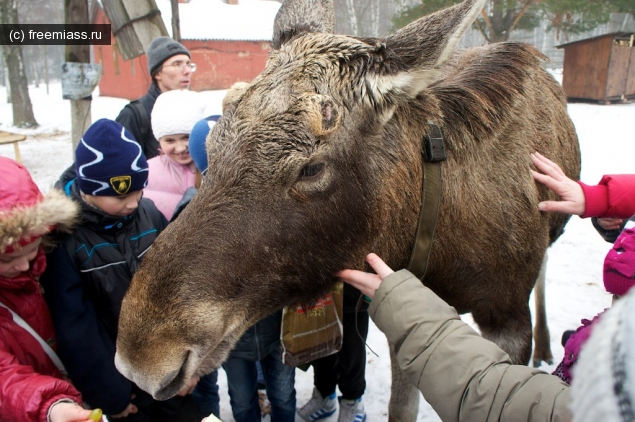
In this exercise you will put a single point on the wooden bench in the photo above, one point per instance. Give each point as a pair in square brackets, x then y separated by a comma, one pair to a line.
[12, 138]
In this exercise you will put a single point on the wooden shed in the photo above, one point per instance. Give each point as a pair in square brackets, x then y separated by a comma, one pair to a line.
[600, 69]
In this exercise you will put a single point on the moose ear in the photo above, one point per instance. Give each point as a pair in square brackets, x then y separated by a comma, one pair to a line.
[297, 16]
[421, 47]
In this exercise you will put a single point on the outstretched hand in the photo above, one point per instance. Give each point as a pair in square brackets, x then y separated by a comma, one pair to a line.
[69, 412]
[610, 223]
[367, 283]
[571, 193]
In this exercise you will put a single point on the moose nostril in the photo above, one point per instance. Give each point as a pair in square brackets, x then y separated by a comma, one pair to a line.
[172, 383]
[169, 378]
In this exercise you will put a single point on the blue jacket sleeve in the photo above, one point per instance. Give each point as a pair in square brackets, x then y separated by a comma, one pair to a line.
[83, 344]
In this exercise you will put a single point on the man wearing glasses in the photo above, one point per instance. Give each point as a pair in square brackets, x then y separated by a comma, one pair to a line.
[170, 68]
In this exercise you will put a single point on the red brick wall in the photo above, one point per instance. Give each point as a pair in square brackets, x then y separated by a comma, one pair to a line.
[219, 65]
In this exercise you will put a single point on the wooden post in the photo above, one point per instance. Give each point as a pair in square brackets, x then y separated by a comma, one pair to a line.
[176, 21]
[77, 13]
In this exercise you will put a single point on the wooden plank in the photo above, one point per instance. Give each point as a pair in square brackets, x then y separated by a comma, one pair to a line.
[8, 137]
[630, 73]
[135, 23]
[618, 71]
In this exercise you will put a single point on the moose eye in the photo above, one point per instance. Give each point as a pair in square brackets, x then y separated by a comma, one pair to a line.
[311, 170]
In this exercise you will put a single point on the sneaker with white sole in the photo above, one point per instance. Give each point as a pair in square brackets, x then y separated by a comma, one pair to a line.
[352, 411]
[318, 407]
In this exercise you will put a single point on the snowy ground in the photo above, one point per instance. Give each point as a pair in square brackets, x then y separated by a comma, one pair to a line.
[574, 277]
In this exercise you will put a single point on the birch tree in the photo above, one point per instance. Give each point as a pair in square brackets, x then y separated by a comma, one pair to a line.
[352, 15]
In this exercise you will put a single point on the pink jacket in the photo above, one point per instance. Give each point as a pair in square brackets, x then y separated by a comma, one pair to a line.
[614, 197]
[167, 182]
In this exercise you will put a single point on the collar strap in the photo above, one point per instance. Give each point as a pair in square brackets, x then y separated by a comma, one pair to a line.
[433, 151]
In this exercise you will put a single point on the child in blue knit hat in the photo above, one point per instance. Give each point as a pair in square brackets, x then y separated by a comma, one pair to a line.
[206, 391]
[90, 270]
[198, 153]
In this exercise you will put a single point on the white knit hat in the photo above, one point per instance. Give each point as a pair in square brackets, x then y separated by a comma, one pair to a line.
[176, 112]
[603, 387]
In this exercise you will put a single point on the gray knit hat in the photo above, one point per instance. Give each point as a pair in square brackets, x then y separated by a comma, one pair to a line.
[161, 49]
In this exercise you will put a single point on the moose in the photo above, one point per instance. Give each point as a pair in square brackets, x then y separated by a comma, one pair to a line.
[318, 161]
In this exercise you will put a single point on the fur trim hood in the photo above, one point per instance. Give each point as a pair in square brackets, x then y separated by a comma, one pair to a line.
[24, 212]
[55, 211]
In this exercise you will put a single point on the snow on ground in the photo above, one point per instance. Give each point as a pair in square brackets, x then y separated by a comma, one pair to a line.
[574, 276]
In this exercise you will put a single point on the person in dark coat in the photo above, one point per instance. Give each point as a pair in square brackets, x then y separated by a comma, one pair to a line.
[90, 270]
[170, 68]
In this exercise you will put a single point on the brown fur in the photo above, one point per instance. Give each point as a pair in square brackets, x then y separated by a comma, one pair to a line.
[318, 162]
[55, 210]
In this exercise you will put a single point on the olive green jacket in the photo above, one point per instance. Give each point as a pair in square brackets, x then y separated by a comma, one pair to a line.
[463, 376]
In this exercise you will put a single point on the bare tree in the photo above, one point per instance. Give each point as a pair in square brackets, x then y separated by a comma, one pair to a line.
[14, 62]
[42, 62]
[367, 18]
[350, 6]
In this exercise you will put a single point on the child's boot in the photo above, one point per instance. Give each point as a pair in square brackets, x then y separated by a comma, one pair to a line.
[318, 407]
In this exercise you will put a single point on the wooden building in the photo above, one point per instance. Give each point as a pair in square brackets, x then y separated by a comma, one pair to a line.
[223, 55]
[601, 68]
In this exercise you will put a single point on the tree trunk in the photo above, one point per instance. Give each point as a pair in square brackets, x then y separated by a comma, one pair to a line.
[6, 82]
[14, 61]
[46, 69]
[350, 6]
[77, 12]
[498, 37]
[35, 68]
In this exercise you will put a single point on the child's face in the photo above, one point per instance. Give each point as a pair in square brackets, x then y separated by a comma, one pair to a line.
[15, 263]
[118, 206]
[175, 147]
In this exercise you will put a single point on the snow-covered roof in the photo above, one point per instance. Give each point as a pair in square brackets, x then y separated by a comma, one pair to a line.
[249, 20]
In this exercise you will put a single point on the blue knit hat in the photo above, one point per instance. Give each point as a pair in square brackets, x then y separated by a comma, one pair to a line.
[196, 144]
[109, 162]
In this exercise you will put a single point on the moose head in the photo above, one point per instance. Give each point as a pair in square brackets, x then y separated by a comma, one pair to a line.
[313, 164]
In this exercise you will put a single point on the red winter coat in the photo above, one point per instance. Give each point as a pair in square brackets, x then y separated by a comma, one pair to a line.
[614, 197]
[29, 381]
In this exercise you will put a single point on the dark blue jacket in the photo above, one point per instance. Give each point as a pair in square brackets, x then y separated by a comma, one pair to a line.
[260, 340]
[86, 278]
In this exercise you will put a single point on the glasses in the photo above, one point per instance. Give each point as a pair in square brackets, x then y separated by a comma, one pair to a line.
[180, 65]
